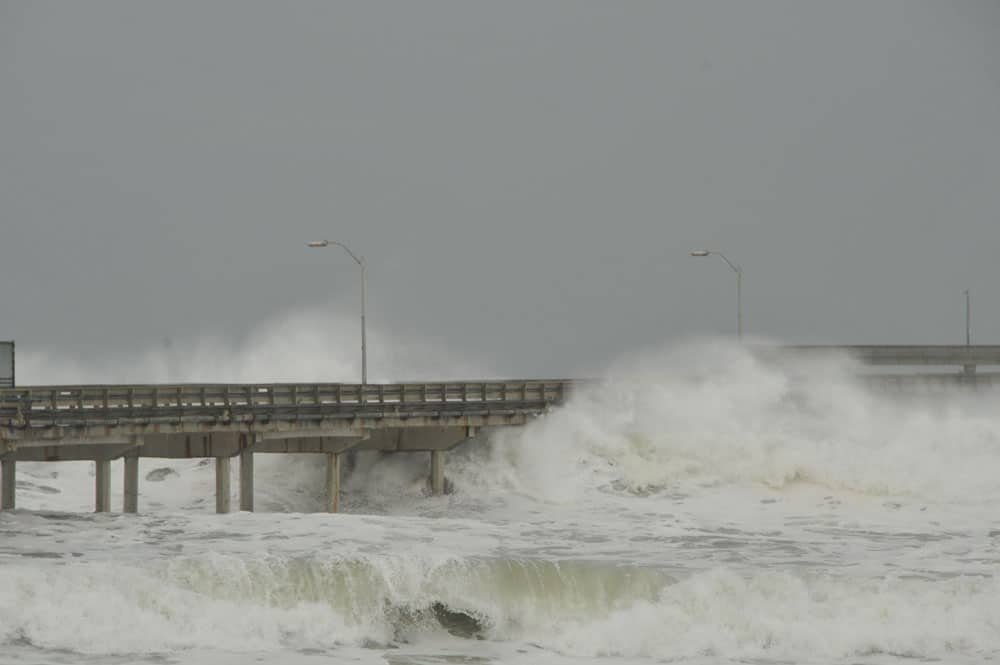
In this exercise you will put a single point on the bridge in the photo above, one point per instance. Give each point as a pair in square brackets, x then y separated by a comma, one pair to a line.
[223, 421]
[102, 423]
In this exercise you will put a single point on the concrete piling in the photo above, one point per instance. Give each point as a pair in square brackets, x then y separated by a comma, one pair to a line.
[437, 472]
[332, 482]
[222, 484]
[131, 484]
[246, 479]
[8, 484]
[102, 486]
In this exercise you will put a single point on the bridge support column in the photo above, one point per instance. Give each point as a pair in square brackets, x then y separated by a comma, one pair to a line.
[102, 485]
[437, 472]
[246, 479]
[8, 484]
[131, 484]
[222, 484]
[332, 482]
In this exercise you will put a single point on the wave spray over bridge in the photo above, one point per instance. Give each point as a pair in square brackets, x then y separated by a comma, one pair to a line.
[693, 504]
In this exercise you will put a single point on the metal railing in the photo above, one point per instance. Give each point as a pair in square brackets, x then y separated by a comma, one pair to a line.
[93, 403]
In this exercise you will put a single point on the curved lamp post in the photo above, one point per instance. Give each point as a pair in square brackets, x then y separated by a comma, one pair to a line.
[364, 290]
[739, 287]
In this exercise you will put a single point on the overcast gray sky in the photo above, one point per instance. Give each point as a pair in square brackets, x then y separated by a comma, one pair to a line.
[524, 178]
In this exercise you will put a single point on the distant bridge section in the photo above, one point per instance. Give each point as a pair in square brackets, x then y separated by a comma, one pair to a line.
[967, 357]
[913, 369]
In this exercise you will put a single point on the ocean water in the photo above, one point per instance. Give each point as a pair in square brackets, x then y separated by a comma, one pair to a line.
[698, 507]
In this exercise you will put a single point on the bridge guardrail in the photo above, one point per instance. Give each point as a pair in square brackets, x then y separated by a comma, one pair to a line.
[20, 405]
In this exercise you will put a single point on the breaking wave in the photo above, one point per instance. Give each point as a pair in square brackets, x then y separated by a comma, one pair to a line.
[711, 414]
[571, 607]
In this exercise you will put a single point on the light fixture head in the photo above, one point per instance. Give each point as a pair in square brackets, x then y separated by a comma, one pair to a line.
[318, 243]
[700, 252]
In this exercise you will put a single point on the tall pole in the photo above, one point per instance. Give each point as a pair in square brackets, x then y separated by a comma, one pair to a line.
[364, 342]
[364, 304]
[968, 318]
[739, 303]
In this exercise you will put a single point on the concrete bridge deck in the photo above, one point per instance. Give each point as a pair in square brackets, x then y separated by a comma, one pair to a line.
[65, 414]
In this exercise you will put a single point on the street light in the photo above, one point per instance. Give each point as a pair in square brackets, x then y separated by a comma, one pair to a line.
[364, 289]
[739, 287]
